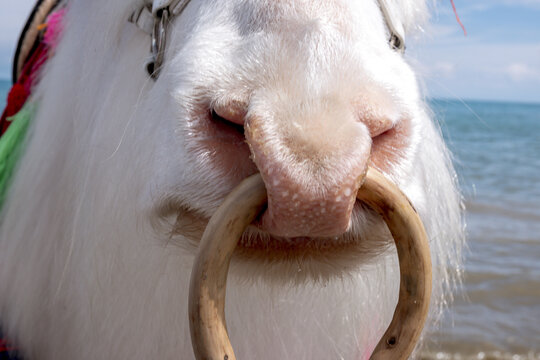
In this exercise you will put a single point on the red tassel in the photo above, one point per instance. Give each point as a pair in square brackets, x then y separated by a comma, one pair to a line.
[16, 98]
[21, 90]
[4, 346]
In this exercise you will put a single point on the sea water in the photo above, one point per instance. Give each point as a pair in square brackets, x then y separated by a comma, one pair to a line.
[496, 147]
[4, 88]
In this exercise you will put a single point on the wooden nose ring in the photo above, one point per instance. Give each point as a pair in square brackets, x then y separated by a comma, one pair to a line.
[209, 335]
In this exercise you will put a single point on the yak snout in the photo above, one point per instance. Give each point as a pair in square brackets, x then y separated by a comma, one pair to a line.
[312, 155]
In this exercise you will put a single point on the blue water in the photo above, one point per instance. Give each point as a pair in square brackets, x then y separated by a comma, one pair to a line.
[497, 155]
[4, 88]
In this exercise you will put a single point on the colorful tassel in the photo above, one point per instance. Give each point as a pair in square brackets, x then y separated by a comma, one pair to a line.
[11, 147]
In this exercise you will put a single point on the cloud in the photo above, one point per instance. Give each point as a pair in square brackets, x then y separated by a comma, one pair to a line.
[519, 72]
[445, 68]
[478, 70]
[482, 5]
[441, 69]
[438, 31]
[475, 8]
[535, 4]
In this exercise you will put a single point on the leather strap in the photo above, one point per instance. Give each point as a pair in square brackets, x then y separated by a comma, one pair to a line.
[155, 15]
[397, 31]
[145, 16]
[175, 6]
[144, 19]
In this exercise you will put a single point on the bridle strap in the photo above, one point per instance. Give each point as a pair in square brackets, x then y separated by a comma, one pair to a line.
[397, 31]
[154, 17]
[175, 7]
[146, 16]
[144, 19]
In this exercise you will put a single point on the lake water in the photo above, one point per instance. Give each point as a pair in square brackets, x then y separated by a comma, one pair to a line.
[4, 88]
[497, 155]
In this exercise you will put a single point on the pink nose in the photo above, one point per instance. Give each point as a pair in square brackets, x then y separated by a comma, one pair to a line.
[308, 207]
[312, 170]
[312, 161]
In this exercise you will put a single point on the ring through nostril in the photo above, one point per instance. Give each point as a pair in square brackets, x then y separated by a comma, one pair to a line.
[208, 283]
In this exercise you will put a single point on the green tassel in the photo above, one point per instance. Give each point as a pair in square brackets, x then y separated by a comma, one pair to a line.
[11, 147]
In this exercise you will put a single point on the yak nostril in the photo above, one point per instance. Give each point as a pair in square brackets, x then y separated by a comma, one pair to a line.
[222, 121]
[233, 111]
[378, 125]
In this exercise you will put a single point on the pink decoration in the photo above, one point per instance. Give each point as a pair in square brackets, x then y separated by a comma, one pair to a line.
[31, 70]
[54, 28]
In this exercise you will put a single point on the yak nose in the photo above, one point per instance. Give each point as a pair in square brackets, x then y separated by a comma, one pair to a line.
[312, 163]
[312, 159]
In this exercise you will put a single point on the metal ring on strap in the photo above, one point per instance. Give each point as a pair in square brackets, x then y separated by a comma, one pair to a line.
[153, 18]
[395, 27]
[157, 47]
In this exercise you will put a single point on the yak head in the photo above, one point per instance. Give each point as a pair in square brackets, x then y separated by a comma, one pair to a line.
[123, 170]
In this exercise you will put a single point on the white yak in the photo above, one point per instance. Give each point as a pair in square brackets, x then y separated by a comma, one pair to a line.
[122, 172]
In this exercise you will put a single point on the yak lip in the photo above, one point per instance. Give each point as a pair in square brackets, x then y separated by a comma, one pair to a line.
[258, 245]
[255, 238]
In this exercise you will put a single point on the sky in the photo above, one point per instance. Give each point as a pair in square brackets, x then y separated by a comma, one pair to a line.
[499, 59]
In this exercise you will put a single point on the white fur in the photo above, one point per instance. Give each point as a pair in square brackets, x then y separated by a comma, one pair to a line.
[89, 269]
